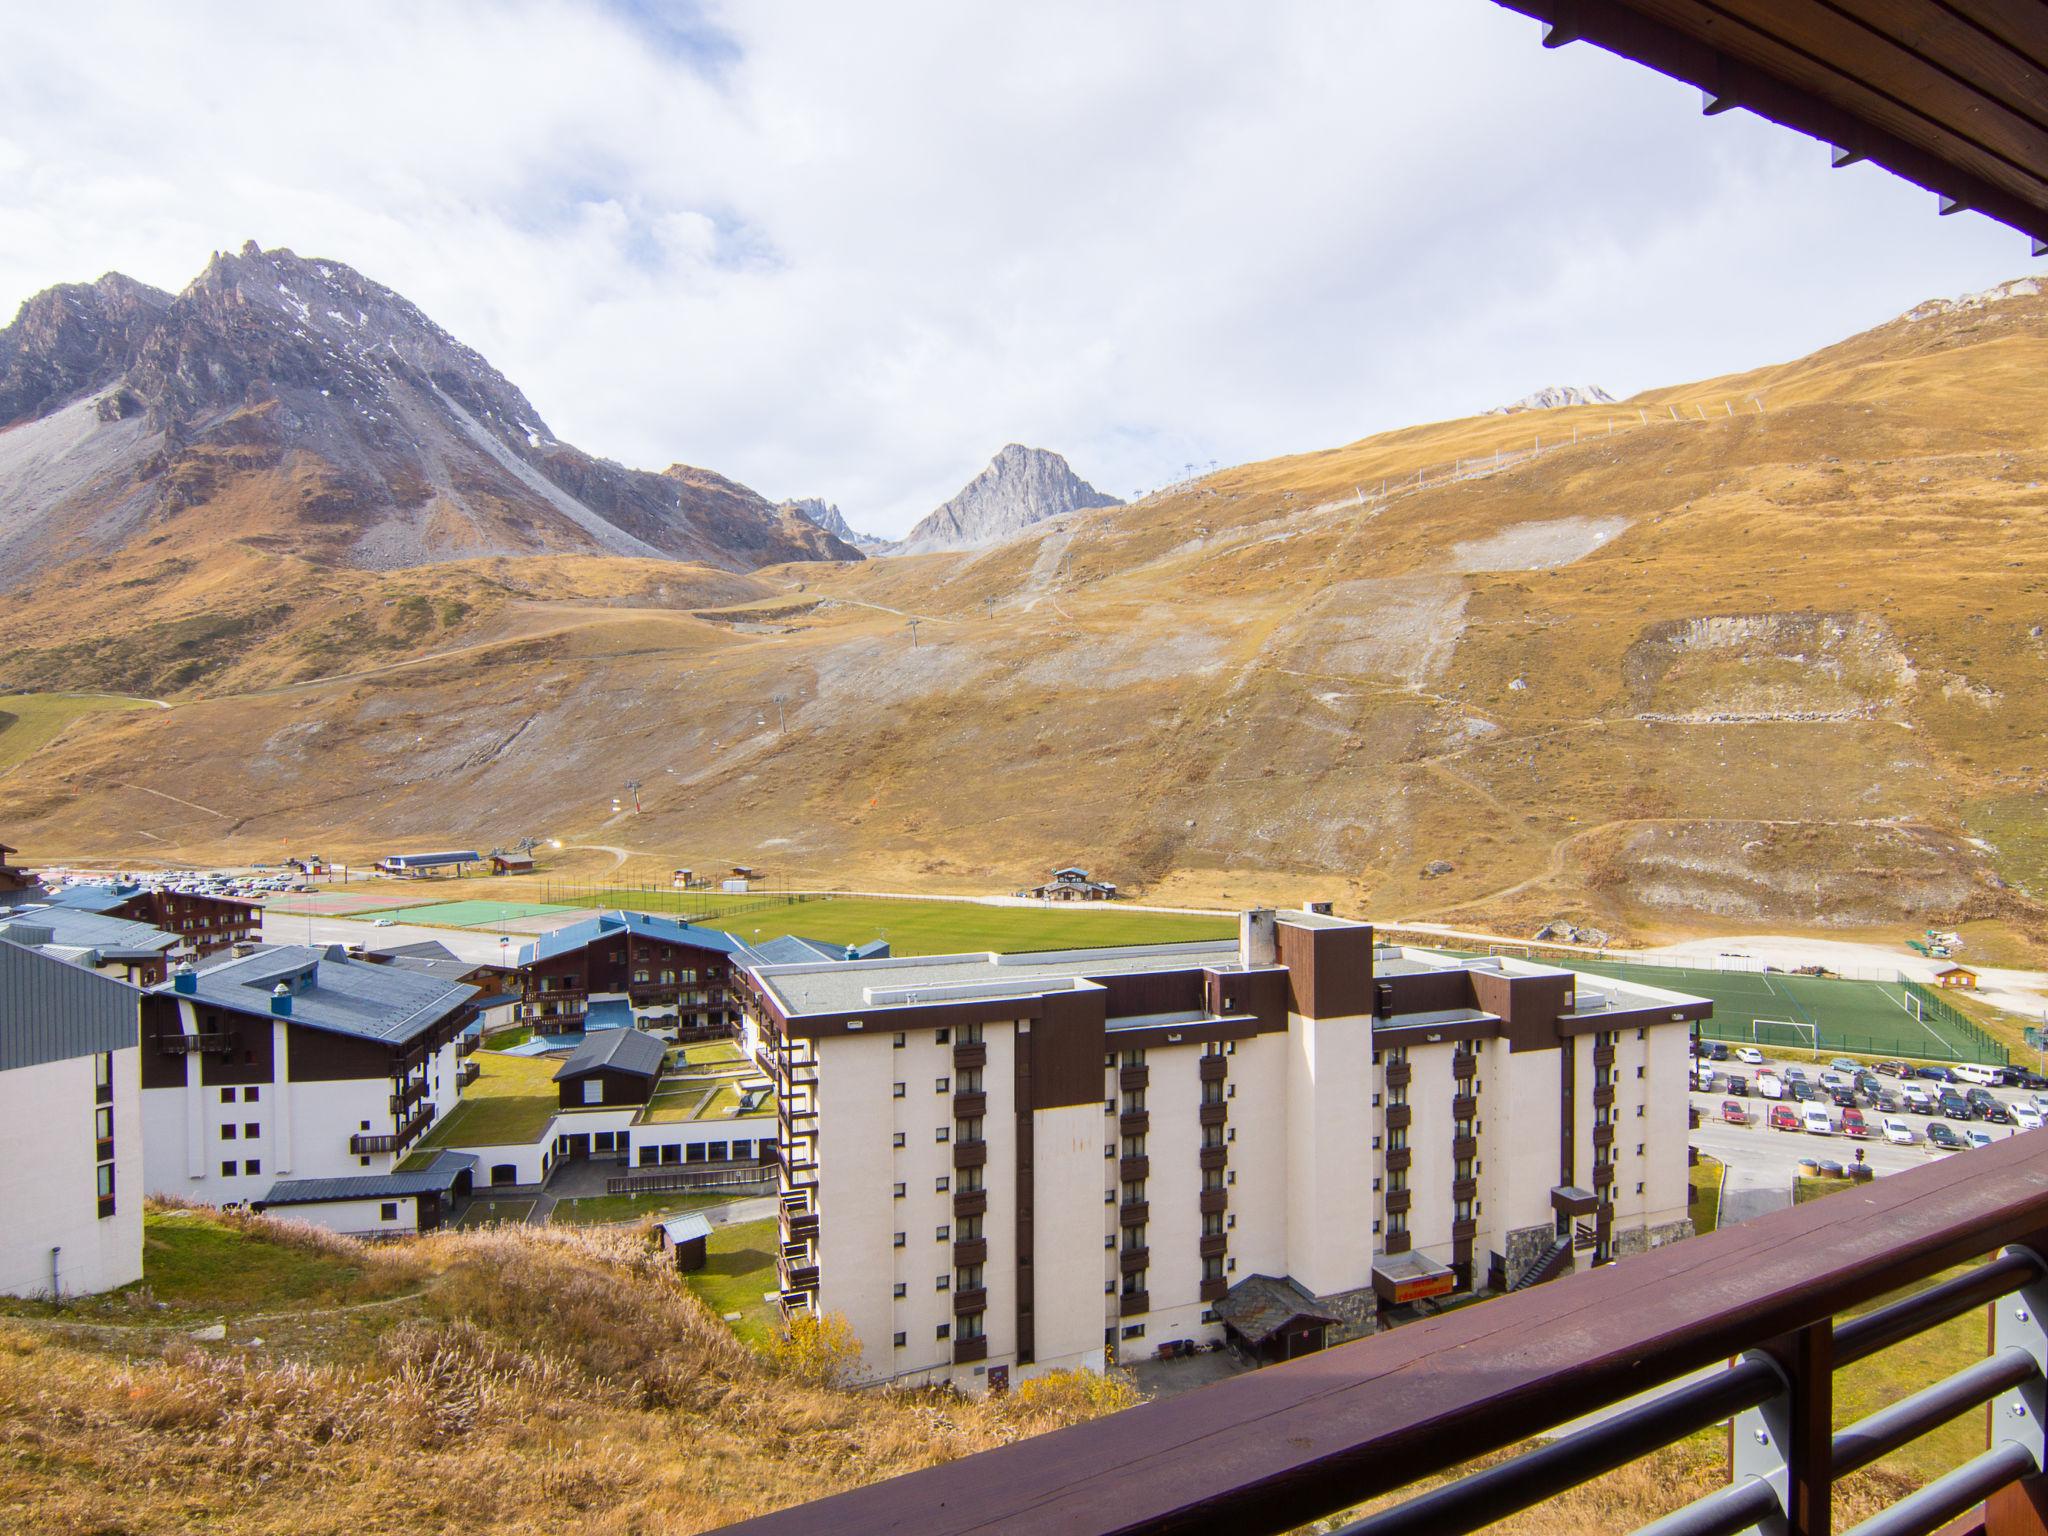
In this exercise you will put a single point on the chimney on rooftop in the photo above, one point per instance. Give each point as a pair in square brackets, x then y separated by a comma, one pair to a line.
[281, 1000]
[1258, 938]
[184, 979]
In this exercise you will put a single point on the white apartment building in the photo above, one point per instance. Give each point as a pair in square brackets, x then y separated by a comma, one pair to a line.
[293, 1063]
[70, 1128]
[993, 1165]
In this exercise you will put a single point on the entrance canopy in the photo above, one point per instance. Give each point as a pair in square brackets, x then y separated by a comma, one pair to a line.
[1948, 94]
[1399, 1278]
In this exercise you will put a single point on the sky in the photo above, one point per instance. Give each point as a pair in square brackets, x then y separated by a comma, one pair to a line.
[850, 251]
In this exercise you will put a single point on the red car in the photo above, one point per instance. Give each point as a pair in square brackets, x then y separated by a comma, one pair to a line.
[1785, 1118]
[1733, 1112]
[1853, 1124]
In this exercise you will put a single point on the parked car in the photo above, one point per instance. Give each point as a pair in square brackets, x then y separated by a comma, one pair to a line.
[1994, 1112]
[1771, 1087]
[1919, 1100]
[1819, 1122]
[1733, 1113]
[2022, 1078]
[1800, 1089]
[1941, 1134]
[1785, 1118]
[1897, 1132]
[1853, 1124]
[1977, 1072]
[1751, 1055]
[1868, 1085]
[1885, 1102]
[1979, 1137]
[1843, 1096]
[1795, 1074]
[1831, 1079]
[2027, 1117]
[1935, 1074]
[1978, 1098]
[1706, 1079]
[1716, 1051]
[1738, 1085]
[1844, 1064]
[1954, 1107]
[1894, 1069]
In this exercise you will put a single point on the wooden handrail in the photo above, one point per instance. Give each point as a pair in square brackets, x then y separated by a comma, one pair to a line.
[1292, 1443]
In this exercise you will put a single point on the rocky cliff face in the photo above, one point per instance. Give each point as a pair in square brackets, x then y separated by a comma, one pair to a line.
[1551, 397]
[817, 510]
[298, 403]
[1021, 486]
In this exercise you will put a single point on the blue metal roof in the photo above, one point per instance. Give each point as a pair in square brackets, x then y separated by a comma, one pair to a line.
[680, 1229]
[51, 1011]
[794, 949]
[329, 991]
[426, 860]
[93, 898]
[644, 925]
[615, 1050]
[608, 1013]
[71, 928]
[438, 1177]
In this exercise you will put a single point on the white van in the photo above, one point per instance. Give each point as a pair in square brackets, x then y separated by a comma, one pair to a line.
[1976, 1072]
[1818, 1121]
[1769, 1085]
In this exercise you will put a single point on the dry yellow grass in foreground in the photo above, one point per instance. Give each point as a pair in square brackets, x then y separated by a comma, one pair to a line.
[511, 1380]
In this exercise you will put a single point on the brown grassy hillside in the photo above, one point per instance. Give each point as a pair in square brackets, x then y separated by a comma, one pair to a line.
[1774, 661]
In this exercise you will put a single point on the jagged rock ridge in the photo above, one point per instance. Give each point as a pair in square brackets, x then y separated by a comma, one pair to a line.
[298, 405]
[828, 517]
[1020, 487]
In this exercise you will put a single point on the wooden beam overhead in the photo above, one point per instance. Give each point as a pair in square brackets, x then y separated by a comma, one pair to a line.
[1949, 94]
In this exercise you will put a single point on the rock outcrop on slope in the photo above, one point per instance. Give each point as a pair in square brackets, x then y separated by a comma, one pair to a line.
[828, 517]
[1554, 397]
[1020, 487]
[297, 404]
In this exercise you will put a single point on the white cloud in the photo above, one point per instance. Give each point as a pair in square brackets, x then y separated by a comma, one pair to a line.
[851, 250]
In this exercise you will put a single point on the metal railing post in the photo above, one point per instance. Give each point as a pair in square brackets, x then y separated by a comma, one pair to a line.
[1787, 1441]
[2018, 1416]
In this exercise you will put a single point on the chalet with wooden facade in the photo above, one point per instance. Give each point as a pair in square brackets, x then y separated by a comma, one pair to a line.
[1071, 885]
[292, 1063]
[651, 962]
[611, 1067]
[207, 924]
[13, 878]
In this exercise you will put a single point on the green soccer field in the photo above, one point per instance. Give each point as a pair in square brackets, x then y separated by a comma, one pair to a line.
[1869, 1018]
[464, 914]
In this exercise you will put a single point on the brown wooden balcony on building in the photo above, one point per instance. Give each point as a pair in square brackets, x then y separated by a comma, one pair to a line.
[1603, 1175]
[1133, 1170]
[1397, 1242]
[1464, 1231]
[1215, 1201]
[975, 1300]
[968, 1055]
[1603, 1056]
[1212, 1114]
[1134, 1079]
[1464, 1147]
[1464, 1106]
[1400, 1159]
[1212, 1157]
[970, 1154]
[1212, 1290]
[1400, 1074]
[1400, 1116]
[1464, 1065]
[365, 1145]
[802, 1278]
[970, 1202]
[1603, 1134]
[1603, 1096]
[467, 1072]
[1131, 1261]
[1136, 1122]
[1212, 1069]
[1464, 1189]
[803, 1225]
[185, 1045]
[968, 1351]
[1399, 1200]
[1212, 1247]
[970, 1250]
[1134, 1213]
[969, 1106]
[1133, 1303]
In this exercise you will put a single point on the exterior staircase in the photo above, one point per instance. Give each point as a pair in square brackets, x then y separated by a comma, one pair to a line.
[1555, 1261]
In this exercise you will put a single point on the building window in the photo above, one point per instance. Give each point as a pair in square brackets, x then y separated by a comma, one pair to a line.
[945, 1331]
[902, 1290]
[251, 1132]
[943, 1085]
[898, 1241]
[896, 1090]
[943, 1283]
[899, 1191]
[941, 1036]
[897, 1042]
[106, 1189]
[901, 1339]
[896, 1140]
[388, 1210]
[251, 1095]
[253, 1165]
[943, 1184]
[942, 1134]
[942, 1234]
[103, 1078]
[227, 1170]
[227, 1095]
[971, 1325]
[227, 1133]
[1134, 1331]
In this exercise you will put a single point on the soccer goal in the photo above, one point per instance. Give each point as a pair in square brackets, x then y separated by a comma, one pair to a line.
[1797, 1033]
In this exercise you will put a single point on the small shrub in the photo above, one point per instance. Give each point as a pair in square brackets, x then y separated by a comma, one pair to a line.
[817, 1351]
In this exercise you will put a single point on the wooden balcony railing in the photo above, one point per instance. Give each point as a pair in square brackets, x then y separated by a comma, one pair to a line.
[970, 1154]
[1212, 1114]
[1212, 1069]
[970, 1202]
[1134, 1079]
[1316, 1436]
[1134, 1122]
[969, 1054]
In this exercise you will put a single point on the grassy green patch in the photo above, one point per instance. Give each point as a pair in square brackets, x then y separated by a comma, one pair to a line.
[739, 1268]
[505, 1039]
[943, 927]
[673, 1108]
[512, 1100]
[714, 1053]
[1706, 1209]
[592, 1210]
[192, 1259]
[31, 721]
[2016, 826]
[483, 1213]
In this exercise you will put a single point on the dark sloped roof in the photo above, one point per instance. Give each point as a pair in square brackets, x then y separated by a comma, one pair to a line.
[50, 1011]
[438, 1177]
[330, 991]
[426, 949]
[615, 1050]
[78, 928]
[1259, 1306]
[645, 925]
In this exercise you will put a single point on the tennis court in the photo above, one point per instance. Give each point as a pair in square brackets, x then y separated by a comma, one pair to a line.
[466, 914]
[1822, 1013]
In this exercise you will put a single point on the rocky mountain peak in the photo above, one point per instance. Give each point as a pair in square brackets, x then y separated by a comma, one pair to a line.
[1554, 397]
[1021, 486]
[73, 340]
[816, 510]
